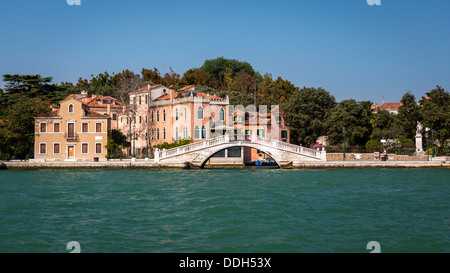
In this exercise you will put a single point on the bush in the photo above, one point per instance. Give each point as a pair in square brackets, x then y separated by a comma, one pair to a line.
[374, 145]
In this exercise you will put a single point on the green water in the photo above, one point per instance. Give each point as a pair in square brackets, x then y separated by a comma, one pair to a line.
[225, 210]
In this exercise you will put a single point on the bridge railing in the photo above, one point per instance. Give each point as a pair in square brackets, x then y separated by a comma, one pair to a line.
[286, 146]
[239, 138]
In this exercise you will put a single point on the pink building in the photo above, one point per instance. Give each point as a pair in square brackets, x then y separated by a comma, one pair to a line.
[158, 114]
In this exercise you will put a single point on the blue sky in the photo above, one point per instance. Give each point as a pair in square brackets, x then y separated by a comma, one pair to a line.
[348, 47]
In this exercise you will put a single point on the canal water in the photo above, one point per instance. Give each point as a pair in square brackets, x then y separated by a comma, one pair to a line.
[225, 210]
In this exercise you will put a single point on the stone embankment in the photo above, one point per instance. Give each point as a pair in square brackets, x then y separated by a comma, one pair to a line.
[142, 164]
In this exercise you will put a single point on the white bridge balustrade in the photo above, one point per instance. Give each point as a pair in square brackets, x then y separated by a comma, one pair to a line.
[197, 154]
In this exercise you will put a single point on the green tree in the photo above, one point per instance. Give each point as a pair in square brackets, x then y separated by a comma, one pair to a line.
[305, 112]
[352, 116]
[383, 125]
[436, 114]
[17, 128]
[32, 86]
[197, 76]
[218, 68]
[117, 141]
[408, 115]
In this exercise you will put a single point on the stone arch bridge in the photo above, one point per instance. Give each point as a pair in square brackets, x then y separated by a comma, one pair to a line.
[197, 154]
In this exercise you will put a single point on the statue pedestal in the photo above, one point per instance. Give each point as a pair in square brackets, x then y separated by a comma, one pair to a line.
[419, 146]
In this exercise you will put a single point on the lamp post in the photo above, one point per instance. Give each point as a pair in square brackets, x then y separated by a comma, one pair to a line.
[343, 131]
[426, 134]
[133, 158]
[432, 144]
[146, 150]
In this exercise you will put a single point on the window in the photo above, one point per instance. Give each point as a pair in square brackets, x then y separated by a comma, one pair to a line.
[56, 127]
[56, 148]
[185, 113]
[71, 109]
[219, 154]
[196, 132]
[43, 127]
[114, 117]
[140, 100]
[248, 132]
[146, 99]
[43, 148]
[221, 114]
[157, 115]
[185, 132]
[164, 133]
[164, 114]
[157, 133]
[234, 152]
[203, 132]
[84, 127]
[260, 132]
[71, 130]
[98, 127]
[152, 116]
[283, 134]
[176, 113]
[85, 148]
[140, 119]
[176, 133]
[98, 148]
[200, 112]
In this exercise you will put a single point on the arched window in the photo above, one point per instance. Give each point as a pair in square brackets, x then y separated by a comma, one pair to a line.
[185, 113]
[157, 133]
[196, 132]
[203, 132]
[185, 133]
[71, 109]
[164, 114]
[221, 114]
[176, 113]
[176, 133]
[152, 116]
[164, 133]
[157, 115]
[200, 112]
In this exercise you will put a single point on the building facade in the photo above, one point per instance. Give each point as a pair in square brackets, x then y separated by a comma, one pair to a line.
[72, 132]
[158, 115]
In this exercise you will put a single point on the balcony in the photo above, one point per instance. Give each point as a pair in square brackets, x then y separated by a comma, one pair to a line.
[71, 136]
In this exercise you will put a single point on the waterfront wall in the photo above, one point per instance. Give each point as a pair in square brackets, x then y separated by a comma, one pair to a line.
[141, 164]
[371, 156]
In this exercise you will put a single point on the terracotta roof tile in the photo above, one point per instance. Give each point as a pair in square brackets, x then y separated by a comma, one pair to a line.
[50, 114]
[145, 88]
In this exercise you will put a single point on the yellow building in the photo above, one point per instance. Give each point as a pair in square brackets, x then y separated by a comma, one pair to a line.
[71, 133]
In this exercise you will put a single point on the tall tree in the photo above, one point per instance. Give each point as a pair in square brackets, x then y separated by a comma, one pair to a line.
[305, 112]
[32, 86]
[352, 116]
[217, 69]
[408, 115]
[436, 112]
[17, 127]
[153, 76]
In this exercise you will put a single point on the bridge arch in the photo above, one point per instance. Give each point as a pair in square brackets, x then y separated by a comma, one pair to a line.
[197, 154]
[239, 144]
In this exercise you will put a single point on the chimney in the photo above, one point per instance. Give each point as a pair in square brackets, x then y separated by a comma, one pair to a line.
[108, 109]
[172, 95]
[84, 93]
